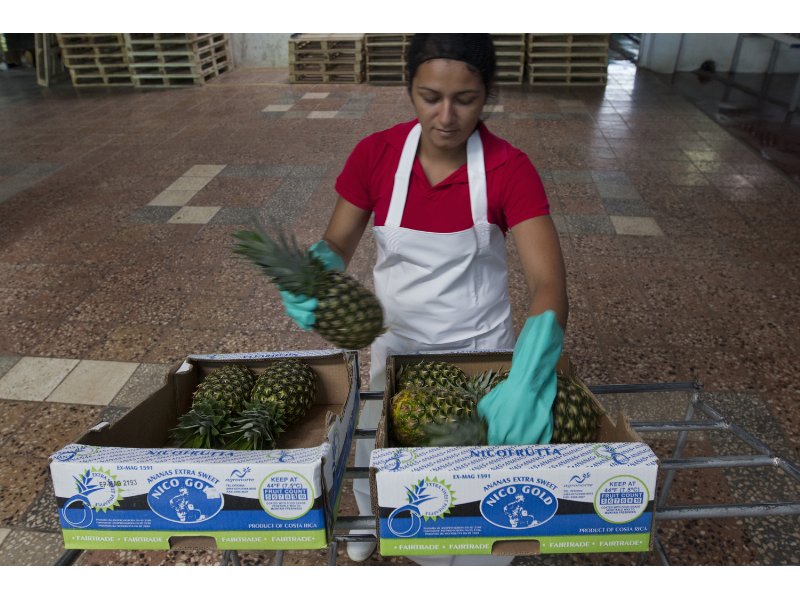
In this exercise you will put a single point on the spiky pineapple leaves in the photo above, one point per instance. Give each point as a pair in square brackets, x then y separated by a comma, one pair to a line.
[432, 419]
[471, 430]
[202, 426]
[348, 315]
[234, 410]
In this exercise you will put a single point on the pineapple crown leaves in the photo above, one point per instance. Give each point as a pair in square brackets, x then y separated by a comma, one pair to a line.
[280, 258]
[254, 428]
[201, 427]
[471, 430]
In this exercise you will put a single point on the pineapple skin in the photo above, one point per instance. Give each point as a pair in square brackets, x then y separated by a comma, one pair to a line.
[575, 417]
[426, 417]
[413, 409]
[348, 315]
[431, 373]
[228, 386]
[282, 395]
[221, 393]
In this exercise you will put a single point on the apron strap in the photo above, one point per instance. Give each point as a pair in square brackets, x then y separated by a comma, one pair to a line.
[476, 171]
[402, 176]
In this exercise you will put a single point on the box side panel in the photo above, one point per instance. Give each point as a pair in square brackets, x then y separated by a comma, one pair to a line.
[540, 510]
[144, 506]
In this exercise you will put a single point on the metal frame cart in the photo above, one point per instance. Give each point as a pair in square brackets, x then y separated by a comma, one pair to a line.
[698, 417]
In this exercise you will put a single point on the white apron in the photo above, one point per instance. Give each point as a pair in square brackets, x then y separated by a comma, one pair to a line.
[441, 292]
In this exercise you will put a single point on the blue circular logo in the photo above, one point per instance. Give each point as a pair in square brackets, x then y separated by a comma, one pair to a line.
[184, 499]
[519, 506]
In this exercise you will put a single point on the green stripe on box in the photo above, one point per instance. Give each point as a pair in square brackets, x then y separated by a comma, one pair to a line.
[81, 539]
[575, 544]
[547, 545]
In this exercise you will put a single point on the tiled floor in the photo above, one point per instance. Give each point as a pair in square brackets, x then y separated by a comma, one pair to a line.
[116, 209]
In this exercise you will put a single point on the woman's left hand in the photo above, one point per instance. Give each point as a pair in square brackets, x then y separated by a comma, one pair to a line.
[519, 410]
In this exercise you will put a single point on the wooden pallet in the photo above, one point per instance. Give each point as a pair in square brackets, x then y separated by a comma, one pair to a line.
[571, 59]
[168, 60]
[172, 44]
[386, 57]
[509, 49]
[326, 42]
[144, 59]
[325, 73]
[95, 59]
[326, 58]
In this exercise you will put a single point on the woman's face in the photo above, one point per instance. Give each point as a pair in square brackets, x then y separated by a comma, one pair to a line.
[448, 97]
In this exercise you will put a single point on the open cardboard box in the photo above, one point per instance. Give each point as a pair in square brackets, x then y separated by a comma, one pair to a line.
[122, 487]
[511, 500]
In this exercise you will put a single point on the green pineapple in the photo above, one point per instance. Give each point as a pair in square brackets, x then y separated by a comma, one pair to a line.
[229, 386]
[221, 393]
[575, 416]
[282, 395]
[348, 315]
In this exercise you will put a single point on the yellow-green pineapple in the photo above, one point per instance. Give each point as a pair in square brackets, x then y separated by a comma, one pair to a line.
[434, 396]
[448, 416]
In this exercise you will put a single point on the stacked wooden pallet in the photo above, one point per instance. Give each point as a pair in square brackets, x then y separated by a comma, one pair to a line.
[386, 57]
[144, 59]
[326, 58]
[95, 59]
[509, 51]
[571, 59]
[175, 59]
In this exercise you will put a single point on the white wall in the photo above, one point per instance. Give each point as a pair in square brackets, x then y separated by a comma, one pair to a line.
[658, 52]
[260, 49]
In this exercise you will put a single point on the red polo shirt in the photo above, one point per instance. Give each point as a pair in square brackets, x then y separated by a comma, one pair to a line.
[514, 188]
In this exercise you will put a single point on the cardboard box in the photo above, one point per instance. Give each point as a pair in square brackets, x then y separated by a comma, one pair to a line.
[119, 487]
[511, 500]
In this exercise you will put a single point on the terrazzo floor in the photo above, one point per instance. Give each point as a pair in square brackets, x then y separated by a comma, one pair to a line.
[116, 209]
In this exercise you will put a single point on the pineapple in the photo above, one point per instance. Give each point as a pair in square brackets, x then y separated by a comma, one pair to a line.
[229, 386]
[436, 395]
[442, 418]
[282, 395]
[431, 373]
[575, 415]
[348, 315]
[221, 393]
[415, 408]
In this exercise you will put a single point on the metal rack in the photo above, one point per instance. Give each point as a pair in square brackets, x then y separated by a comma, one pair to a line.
[699, 416]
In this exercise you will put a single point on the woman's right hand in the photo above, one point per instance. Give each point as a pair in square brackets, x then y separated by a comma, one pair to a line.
[299, 306]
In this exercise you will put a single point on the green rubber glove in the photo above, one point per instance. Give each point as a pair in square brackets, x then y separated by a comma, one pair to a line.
[519, 410]
[299, 306]
[321, 251]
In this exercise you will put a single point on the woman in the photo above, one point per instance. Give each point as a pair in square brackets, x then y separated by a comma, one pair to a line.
[444, 191]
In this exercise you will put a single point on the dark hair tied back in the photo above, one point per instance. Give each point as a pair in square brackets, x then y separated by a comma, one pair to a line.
[475, 49]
